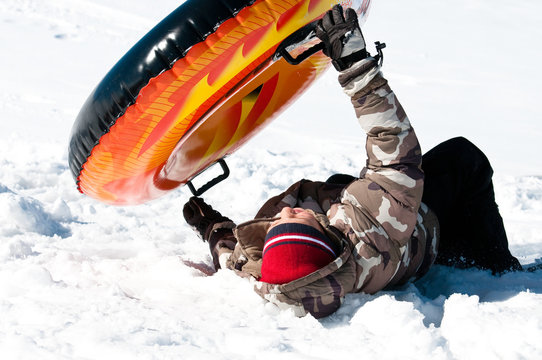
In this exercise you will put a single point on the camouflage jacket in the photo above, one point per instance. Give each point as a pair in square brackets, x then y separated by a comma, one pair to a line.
[388, 236]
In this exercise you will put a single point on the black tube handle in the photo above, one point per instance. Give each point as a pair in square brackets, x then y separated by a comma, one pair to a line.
[212, 182]
[303, 56]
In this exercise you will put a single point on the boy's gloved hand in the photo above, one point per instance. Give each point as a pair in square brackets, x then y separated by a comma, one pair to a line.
[201, 216]
[342, 37]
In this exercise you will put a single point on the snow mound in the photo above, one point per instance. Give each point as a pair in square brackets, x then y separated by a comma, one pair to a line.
[21, 214]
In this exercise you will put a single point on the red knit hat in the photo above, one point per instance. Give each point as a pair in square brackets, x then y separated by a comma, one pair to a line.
[294, 250]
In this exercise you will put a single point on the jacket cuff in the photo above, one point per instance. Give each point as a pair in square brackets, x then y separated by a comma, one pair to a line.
[228, 224]
[359, 76]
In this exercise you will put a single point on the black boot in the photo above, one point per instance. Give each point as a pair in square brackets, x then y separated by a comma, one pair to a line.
[491, 248]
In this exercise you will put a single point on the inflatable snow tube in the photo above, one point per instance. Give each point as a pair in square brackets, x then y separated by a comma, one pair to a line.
[192, 91]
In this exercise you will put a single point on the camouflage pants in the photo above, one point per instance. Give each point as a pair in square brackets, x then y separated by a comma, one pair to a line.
[459, 189]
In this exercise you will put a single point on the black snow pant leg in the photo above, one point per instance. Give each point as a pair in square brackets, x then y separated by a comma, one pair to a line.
[459, 189]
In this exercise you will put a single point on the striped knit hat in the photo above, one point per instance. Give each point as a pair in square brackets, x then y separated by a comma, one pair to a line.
[294, 250]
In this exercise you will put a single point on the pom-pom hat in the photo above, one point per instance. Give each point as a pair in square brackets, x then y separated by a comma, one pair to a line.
[294, 250]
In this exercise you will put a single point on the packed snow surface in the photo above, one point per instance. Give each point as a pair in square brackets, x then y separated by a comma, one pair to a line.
[83, 280]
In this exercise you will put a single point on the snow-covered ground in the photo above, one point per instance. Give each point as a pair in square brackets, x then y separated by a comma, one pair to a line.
[82, 280]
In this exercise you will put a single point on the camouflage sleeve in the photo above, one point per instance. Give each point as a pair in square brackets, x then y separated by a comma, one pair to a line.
[393, 152]
[379, 211]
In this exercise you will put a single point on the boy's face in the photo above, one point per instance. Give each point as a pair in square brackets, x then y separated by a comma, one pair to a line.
[298, 216]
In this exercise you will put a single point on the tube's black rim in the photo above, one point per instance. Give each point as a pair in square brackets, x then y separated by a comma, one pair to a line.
[168, 42]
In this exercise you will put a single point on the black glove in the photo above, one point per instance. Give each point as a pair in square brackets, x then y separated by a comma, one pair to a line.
[201, 216]
[342, 37]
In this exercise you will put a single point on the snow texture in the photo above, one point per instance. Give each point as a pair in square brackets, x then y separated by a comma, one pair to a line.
[82, 280]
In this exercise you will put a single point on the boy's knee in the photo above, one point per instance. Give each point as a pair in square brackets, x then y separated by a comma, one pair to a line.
[472, 155]
[464, 145]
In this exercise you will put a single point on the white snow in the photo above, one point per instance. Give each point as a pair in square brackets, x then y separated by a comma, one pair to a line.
[83, 280]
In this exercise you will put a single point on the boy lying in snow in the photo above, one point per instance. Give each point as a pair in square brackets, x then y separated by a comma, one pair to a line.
[311, 245]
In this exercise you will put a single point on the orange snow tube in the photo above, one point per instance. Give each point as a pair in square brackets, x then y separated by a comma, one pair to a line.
[192, 91]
